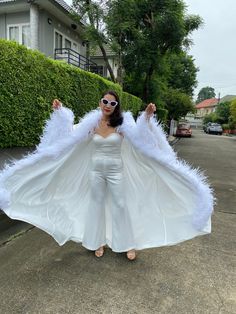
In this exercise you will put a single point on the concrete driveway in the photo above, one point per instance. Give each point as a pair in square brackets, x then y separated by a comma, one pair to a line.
[197, 276]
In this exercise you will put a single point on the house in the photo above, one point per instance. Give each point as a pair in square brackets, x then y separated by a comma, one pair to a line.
[227, 98]
[205, 107]
[97, 57]
[45, 25]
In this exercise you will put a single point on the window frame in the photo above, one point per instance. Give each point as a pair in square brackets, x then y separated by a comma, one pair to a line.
[64, 37]
[20, 26]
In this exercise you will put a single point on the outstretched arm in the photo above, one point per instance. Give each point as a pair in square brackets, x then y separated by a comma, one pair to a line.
[151, 131]
[58, 126]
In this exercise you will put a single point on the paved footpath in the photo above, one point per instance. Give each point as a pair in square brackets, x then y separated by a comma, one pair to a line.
[194, 277]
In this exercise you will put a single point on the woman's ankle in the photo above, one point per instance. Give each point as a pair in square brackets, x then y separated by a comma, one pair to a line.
[131, 254]
[100, 251]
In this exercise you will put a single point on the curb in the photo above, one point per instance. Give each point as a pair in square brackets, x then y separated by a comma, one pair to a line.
[173, 140]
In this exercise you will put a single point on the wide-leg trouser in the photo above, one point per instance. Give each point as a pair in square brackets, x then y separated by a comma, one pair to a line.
[106, 177]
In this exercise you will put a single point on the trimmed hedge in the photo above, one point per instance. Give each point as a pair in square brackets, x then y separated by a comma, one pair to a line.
[29, 82]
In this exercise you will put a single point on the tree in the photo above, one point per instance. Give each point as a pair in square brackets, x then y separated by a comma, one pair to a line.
[148, 32]
[182, 72]
[151, 39]
[232, 118]
[211, 117]
[205, 93]
[178, 104]
[94, 12]
[120, 18]
[223, 112]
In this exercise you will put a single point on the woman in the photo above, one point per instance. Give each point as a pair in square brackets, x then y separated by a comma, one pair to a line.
[108, 181]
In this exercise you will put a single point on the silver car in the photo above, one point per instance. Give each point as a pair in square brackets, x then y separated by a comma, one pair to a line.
[214, 128]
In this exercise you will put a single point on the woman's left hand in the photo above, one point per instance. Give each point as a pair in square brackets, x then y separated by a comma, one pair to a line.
[151, 108]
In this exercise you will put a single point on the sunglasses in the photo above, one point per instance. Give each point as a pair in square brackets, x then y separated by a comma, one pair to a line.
[113, 103]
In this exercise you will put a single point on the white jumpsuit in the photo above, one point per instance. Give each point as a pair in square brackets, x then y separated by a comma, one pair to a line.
[106, 176]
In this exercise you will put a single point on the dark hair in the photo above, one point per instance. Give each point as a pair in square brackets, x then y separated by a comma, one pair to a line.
[116, 117]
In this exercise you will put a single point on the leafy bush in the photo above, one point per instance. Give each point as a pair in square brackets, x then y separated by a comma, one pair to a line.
[29, 82]
[223, 112]
[225, 126]
[211, 117]
[232, 117]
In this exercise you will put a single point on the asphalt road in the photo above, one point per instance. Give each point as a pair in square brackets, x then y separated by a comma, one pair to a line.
[194, 277]
[216, 156]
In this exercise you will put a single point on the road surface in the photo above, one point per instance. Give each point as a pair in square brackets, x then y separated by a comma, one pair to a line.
[197, 276]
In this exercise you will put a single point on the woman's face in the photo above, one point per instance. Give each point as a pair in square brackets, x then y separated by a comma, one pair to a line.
[106, 104]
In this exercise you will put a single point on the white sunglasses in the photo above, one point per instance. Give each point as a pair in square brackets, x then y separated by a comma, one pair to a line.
[112, 103]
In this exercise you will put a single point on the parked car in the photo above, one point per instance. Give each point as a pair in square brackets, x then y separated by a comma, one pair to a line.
[214, 128]
[184, 130]
[205, 126]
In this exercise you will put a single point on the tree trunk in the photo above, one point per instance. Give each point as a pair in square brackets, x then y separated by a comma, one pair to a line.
[119, 67]
[119, 70]
[91, 20]
[107, 62]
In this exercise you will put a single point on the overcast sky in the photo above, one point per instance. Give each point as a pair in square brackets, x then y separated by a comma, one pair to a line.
[214, 48]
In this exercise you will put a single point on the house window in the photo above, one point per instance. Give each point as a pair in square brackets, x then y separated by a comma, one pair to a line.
[98, 69]
[67, 43]
[14, 33]
[58, 40]
[26, 35]
[19, 33]
[75, 47]
[61, 41]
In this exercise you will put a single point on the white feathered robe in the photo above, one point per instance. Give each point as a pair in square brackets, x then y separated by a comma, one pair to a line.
[168, 201]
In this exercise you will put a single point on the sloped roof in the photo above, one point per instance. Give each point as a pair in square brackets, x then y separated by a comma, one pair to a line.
[207, 103]
[60, 2]
[227, 98]
[98, 53]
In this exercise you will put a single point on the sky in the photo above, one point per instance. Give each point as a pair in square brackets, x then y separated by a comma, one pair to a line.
[214, 48]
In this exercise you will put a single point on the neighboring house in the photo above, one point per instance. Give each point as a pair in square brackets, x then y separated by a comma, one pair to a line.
[227, 98]
[193, 120]
[205, 107]
[46, 25]
[97, 57]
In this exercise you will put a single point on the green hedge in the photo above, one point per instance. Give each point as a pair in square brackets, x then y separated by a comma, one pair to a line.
[29, 82]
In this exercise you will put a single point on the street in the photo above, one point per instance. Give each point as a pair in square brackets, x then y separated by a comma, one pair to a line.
[216, 155]
[197, 276]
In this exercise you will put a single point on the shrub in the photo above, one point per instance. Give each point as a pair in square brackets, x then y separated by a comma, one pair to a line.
[29, 82]
[211, 117]
[225, 126]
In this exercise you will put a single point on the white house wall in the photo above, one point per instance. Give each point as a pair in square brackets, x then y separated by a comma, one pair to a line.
[47, 34]
[12, 19]
[46, 30]
[3, 30]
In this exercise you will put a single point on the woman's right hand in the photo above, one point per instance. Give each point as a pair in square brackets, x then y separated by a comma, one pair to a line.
[56, 104]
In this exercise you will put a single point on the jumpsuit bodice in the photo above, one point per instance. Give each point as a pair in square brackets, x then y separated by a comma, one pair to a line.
[107, 151]
[109, 146]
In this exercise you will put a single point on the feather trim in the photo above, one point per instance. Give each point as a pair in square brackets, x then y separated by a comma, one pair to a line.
[150, 139]
[58, 126]
[50, 145]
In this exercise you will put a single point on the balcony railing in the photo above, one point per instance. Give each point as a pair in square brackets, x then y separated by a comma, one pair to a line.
[73, 57]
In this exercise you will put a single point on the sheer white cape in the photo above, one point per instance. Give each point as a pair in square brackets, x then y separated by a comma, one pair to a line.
[168, 200]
